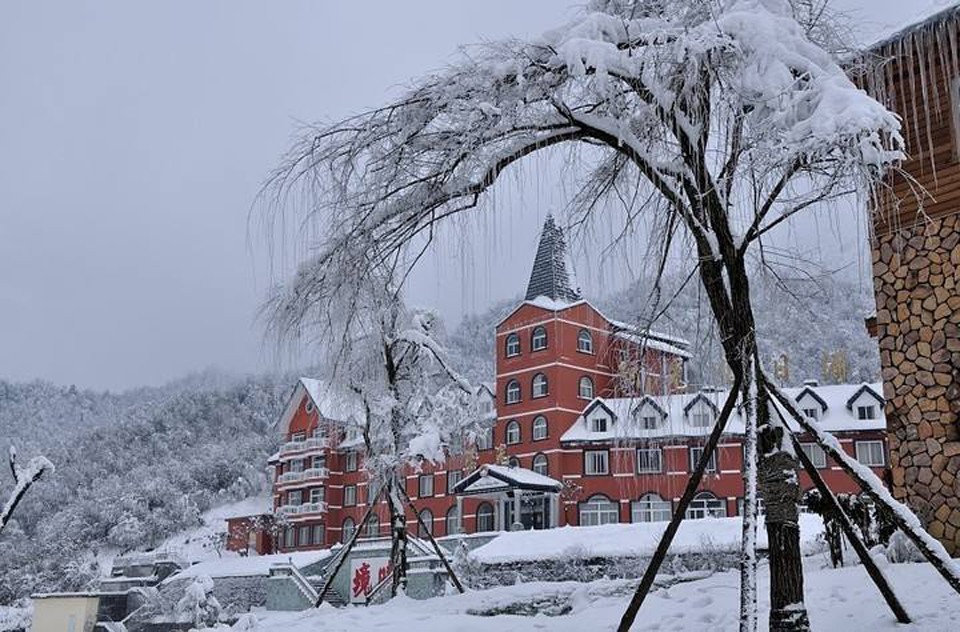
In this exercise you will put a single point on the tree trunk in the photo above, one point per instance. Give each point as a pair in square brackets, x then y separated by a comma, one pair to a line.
[398, 547]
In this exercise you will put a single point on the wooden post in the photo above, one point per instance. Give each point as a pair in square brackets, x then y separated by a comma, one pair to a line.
[347, 548]
[436, 547]
[692, 484]
[875, 573]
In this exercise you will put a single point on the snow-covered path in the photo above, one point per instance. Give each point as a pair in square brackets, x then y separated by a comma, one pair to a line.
[841, 600]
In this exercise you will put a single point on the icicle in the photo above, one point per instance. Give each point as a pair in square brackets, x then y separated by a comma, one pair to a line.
[921, 46]
[913, 94]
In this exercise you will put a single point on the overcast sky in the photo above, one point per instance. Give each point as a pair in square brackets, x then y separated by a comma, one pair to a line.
[134, 137]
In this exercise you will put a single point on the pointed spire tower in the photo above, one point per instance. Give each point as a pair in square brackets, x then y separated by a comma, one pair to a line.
[552, 274]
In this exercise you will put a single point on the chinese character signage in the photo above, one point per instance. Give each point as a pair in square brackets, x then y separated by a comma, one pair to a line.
[365, 574]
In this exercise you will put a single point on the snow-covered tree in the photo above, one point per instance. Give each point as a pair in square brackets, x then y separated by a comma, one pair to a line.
[710, 121]
[198, 605]
[388, 361]
[23, 478]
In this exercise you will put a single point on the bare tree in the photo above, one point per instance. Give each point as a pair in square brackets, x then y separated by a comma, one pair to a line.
[711, 122]
[23, 478]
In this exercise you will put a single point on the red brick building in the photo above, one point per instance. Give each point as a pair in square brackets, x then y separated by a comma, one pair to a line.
[591, 421]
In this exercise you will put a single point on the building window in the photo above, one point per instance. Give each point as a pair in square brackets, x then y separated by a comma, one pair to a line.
[815, 453]
[513, 392]
[513, 462]
[289, 538]
[812, 413]
[649, 422]
[538, 340]
[871, 453]
[649, 460]
[650, 508]
[426, 528]
[318, 534]
[540, 465]
[297, 437]
[296, 465]
[425, 486]
[453, 521]
[866, 412]
[701, 418]
[539, 428]
[350, 462]
[295, 497]
[584, 341]
[599, 424]
[308, 406]
[318, 462]
[316, 495]
[513, 345]
[304, 536]
[513, 432]
[373, 526]
[539, 385]
[706, 505]
[349, 495]
[349, 526]
[695, 453]
[598, 510]
[453, 477]
[484, 517]
[596, 462]
[586, 388]
[485, 439]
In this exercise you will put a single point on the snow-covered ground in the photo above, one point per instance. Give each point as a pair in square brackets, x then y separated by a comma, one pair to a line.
[637, 539]
[196, 545]
[840, 600]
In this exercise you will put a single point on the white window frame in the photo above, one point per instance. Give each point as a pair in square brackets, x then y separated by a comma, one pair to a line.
[649, 422]
[427, 517]
[812, 413]
[539, 386]
[453, 477]
[452, 521]
[347, 529]
[596, 426]
[694, 453]
[319, 534]
[651, 508]
[540, 430]
[351, 462]
[701, 418]
[647, 452]
[867, 412]
[706, 505]
[596, 462]
[295, 497]
[512, 350]
[512, 395]
[538, 338]
[588, 381]
[816, 454]
[540, 458]
[296, 465]
[864, 451]
[485, 439]
[425, 486]
[486, 520]
[349, 495]
[512, 434]
[584, 342]
[513, 462]
[317, 494]
[599, 510]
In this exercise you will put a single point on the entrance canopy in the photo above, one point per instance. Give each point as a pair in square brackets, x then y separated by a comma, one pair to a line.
[491, 479]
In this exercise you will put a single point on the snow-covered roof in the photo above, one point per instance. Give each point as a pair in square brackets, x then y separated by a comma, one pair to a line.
[651, 341]
[251, 566]
[331, 404]
[489, 478]
[552, 274]
[837, 416]
[922, 13]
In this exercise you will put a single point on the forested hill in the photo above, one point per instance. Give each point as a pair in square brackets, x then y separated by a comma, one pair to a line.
[802, 321]
[131, 469]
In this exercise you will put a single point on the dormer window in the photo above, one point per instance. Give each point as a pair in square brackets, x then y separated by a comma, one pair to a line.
[865, 413]
[701, 418]
[648, 422]
[538, 340]
[539, 385]
[308, 406]
[513, 345]
[584, 342]
[513, 392]
[599, 424]
[811, 413]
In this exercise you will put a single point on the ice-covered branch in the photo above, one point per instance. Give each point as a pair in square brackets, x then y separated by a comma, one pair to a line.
[23, 478]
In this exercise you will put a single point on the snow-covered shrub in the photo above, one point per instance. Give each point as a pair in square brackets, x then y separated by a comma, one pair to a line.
[198, 605]
[900, 549]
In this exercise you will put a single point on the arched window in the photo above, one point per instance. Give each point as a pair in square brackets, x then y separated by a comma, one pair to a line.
[584, 341]
[598, 510]
[650, 508]
[513, 392]
[484, 517]
[538, 339]
[426, 517]
[539, 385]
[706, 505]
[373, 526]
[539, 428]
[513, 432]
[513, 462]
[513, 345]
[485, 439]
[586, 388]
[453, 521]
[540, 464]
[349, 526]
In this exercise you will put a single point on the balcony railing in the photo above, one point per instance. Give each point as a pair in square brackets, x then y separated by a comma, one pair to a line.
[306, 508]
[290, 477]
[315, 472]
[313, 443]
[289, 510]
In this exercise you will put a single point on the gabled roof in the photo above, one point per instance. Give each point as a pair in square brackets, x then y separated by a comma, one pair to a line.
[646, 399]
[812, 393]
[860, 391]
[599, 402]
[492, 478]
[700, 397]
[328, 403]
[552, 274]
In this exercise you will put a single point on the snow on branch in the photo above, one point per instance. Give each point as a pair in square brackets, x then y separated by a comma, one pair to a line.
[23, 478]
